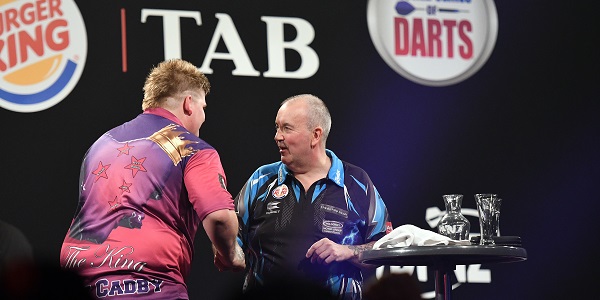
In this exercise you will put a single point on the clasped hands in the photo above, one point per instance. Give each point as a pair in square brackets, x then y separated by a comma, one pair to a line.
[237, 264]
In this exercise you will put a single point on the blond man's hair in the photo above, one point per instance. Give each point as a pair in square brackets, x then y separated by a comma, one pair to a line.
[169, 78]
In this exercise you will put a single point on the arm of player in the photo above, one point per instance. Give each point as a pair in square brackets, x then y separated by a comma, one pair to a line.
[221, 226]
[326, 251]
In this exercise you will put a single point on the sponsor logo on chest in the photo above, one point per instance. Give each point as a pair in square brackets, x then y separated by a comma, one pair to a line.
[280, 191]
[333, 227]
[273, 207]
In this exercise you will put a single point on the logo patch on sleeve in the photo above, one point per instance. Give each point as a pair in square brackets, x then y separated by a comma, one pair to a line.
[388, 227]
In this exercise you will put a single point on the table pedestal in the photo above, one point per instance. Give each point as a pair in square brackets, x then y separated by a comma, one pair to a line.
[443, 283]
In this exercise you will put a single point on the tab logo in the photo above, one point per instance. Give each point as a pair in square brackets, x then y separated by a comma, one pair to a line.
[433, 42]
[43, 48]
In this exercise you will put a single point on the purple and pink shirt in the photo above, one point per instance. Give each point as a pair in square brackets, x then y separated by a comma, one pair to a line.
[145, 187]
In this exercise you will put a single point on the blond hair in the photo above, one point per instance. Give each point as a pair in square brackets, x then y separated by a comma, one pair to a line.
[170, 78]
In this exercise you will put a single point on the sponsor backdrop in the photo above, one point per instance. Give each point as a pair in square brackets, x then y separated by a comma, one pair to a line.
[429, 97]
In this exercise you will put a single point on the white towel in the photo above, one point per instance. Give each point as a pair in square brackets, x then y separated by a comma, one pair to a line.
[407, 235]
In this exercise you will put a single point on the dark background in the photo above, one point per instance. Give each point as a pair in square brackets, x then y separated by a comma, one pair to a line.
[524, 126]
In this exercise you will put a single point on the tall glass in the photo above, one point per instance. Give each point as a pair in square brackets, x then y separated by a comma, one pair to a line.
[488, 207]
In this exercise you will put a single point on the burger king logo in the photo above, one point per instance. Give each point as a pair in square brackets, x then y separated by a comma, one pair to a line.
[43, 48]
[433, 42]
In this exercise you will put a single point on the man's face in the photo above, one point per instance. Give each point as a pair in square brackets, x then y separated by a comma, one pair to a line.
[292, 135]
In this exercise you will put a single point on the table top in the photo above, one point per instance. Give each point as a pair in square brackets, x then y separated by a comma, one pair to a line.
[443, 255]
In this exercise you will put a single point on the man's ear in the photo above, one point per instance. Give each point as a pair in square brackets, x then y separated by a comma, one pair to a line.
[187, 105]
[317, 135]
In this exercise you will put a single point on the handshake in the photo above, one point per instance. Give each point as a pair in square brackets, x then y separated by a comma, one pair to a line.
[235, 261]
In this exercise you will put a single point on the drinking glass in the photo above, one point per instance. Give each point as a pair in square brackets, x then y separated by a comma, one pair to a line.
[488, 207]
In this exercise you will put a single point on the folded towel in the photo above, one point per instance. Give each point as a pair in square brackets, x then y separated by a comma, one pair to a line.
[409, 235]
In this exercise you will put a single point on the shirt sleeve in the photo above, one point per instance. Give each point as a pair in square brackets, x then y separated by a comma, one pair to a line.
[378, 218]
[242, 204]
[206, 183]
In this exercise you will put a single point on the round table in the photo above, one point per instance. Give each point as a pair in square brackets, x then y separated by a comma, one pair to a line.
[443, 259]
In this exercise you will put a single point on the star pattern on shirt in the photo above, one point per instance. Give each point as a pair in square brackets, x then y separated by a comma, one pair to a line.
[124, 149]
[125, 187]
[114, 204]
[136, 165]
[101, 171]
